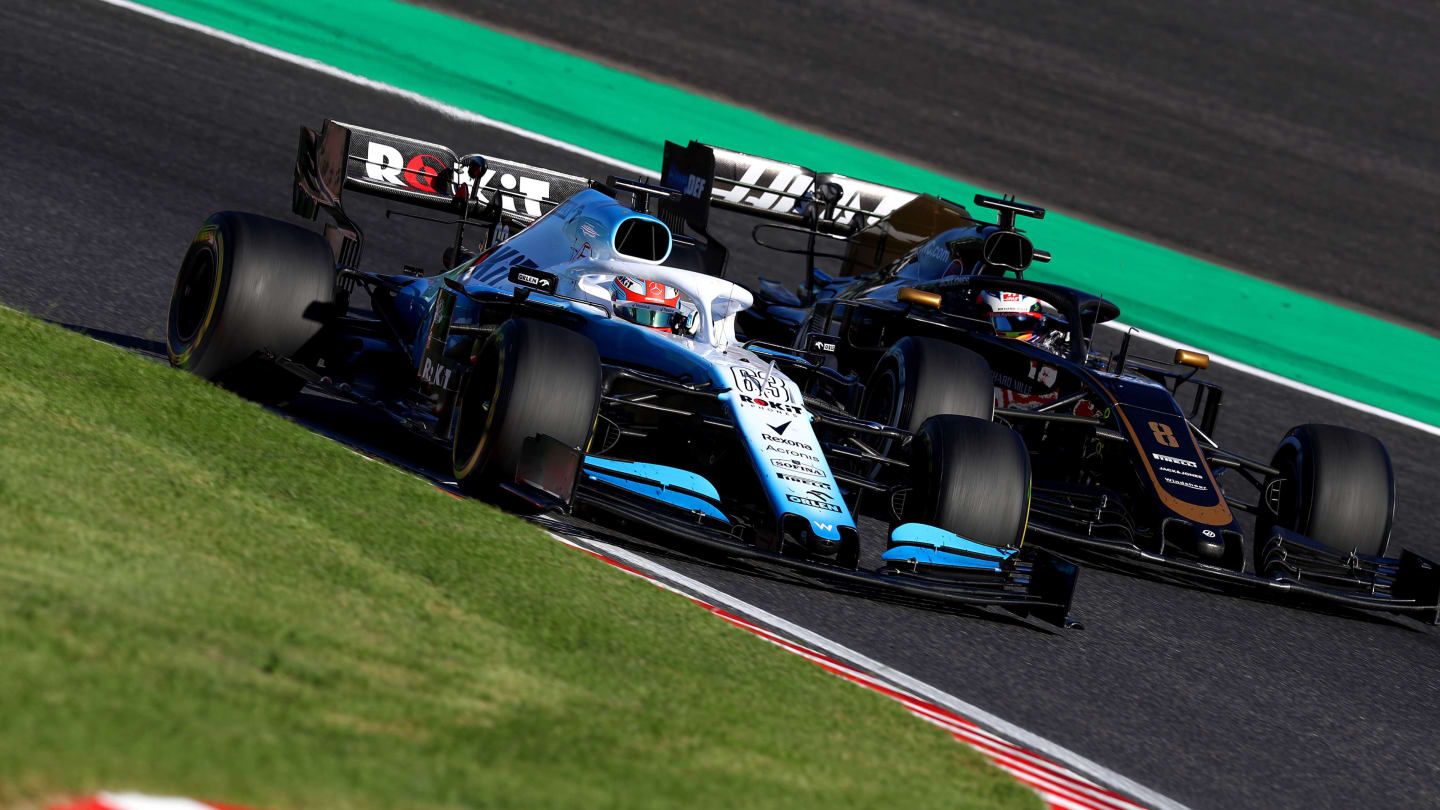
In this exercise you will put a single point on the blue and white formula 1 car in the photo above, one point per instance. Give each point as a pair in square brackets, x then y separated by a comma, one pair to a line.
[582, 359]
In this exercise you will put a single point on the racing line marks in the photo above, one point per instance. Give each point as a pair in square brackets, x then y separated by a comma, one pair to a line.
[1059, 786]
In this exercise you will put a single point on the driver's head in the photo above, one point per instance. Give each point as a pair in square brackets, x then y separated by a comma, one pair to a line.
[647, 303]
[1014, 315]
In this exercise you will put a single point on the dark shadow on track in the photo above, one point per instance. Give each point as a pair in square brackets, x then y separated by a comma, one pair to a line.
[139, 345]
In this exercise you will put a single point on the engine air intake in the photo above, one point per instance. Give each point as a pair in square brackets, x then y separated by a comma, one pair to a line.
[643, 239]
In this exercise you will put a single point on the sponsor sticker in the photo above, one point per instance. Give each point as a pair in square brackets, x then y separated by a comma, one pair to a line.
[770, 448]
[795, 479]
[794, 466]
[1172, 460]
[765, 403]
[767, 385]
[783, 440]
[811, 502]
[1186, 484]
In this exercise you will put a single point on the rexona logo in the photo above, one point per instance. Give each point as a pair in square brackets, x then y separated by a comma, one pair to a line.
[794, 466]
[782, 440]
[812, 503]
[765, 403]
[1172, 460]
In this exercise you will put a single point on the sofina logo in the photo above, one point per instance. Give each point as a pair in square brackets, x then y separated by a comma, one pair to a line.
[796, 467]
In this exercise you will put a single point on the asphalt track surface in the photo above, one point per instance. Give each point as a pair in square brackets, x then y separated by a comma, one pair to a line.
[123, 133]
[1296, 140]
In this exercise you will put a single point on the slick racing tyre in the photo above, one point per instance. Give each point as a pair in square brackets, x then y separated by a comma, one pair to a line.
[1335, 485]
[531, 378]
[249, 284]
[970, 477]
[921, 377]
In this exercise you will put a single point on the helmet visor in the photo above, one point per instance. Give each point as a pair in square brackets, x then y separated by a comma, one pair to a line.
[651, 316]
[1022, 325]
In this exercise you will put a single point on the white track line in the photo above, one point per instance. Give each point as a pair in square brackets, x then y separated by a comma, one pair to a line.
[441, 107]
[1294, 385]
[1003, 728]
[468, 116]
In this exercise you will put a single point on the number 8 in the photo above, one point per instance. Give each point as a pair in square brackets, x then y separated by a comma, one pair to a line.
[1163, 434]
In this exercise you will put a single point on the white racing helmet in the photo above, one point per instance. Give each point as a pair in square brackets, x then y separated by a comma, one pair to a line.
[1014, 315]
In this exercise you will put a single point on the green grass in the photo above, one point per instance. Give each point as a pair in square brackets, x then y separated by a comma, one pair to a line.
[198, 597]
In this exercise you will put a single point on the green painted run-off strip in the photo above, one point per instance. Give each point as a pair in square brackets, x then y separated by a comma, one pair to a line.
[628, 117]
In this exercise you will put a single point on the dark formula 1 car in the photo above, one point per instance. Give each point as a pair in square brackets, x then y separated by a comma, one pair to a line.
[579, 359]
[1122, 472]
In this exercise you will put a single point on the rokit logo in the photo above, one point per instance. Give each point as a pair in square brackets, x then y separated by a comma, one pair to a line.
[435, 374]
[765, 403]
[386, 164]
[812, 503]
[794, 466]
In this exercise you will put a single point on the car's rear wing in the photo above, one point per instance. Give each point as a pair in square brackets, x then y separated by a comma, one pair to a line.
[776, 190]
[411, 171]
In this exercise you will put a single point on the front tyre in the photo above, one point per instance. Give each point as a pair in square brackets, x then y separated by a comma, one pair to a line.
[922, 377]
[531, 378]
[1335, 485]
[249, 285]
[970, 477]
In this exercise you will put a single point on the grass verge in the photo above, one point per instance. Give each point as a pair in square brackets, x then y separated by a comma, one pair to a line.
[198, 597]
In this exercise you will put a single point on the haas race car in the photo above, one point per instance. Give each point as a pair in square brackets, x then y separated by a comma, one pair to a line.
[580, 356]
[930, 313]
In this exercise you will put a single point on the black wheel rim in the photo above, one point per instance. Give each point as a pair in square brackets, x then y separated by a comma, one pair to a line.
[194, 293]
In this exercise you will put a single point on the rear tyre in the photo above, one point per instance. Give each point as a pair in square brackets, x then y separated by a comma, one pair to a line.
[970, 477]
[1335, 485]
[922, 377]
[249, 284]
[531, 378]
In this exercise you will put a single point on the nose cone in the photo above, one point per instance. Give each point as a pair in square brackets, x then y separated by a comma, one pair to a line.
[1209, 545]
[1206, 543]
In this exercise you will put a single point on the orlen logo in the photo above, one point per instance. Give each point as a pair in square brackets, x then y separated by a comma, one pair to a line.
[812, 503]
[796, 467]
[385, 164]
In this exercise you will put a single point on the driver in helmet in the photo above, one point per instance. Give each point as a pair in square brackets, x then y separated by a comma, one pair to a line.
[1021, 317]
[652, 305]
[1014, 315]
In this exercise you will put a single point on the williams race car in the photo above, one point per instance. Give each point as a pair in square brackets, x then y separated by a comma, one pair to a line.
[930, 313]
[581, 357]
